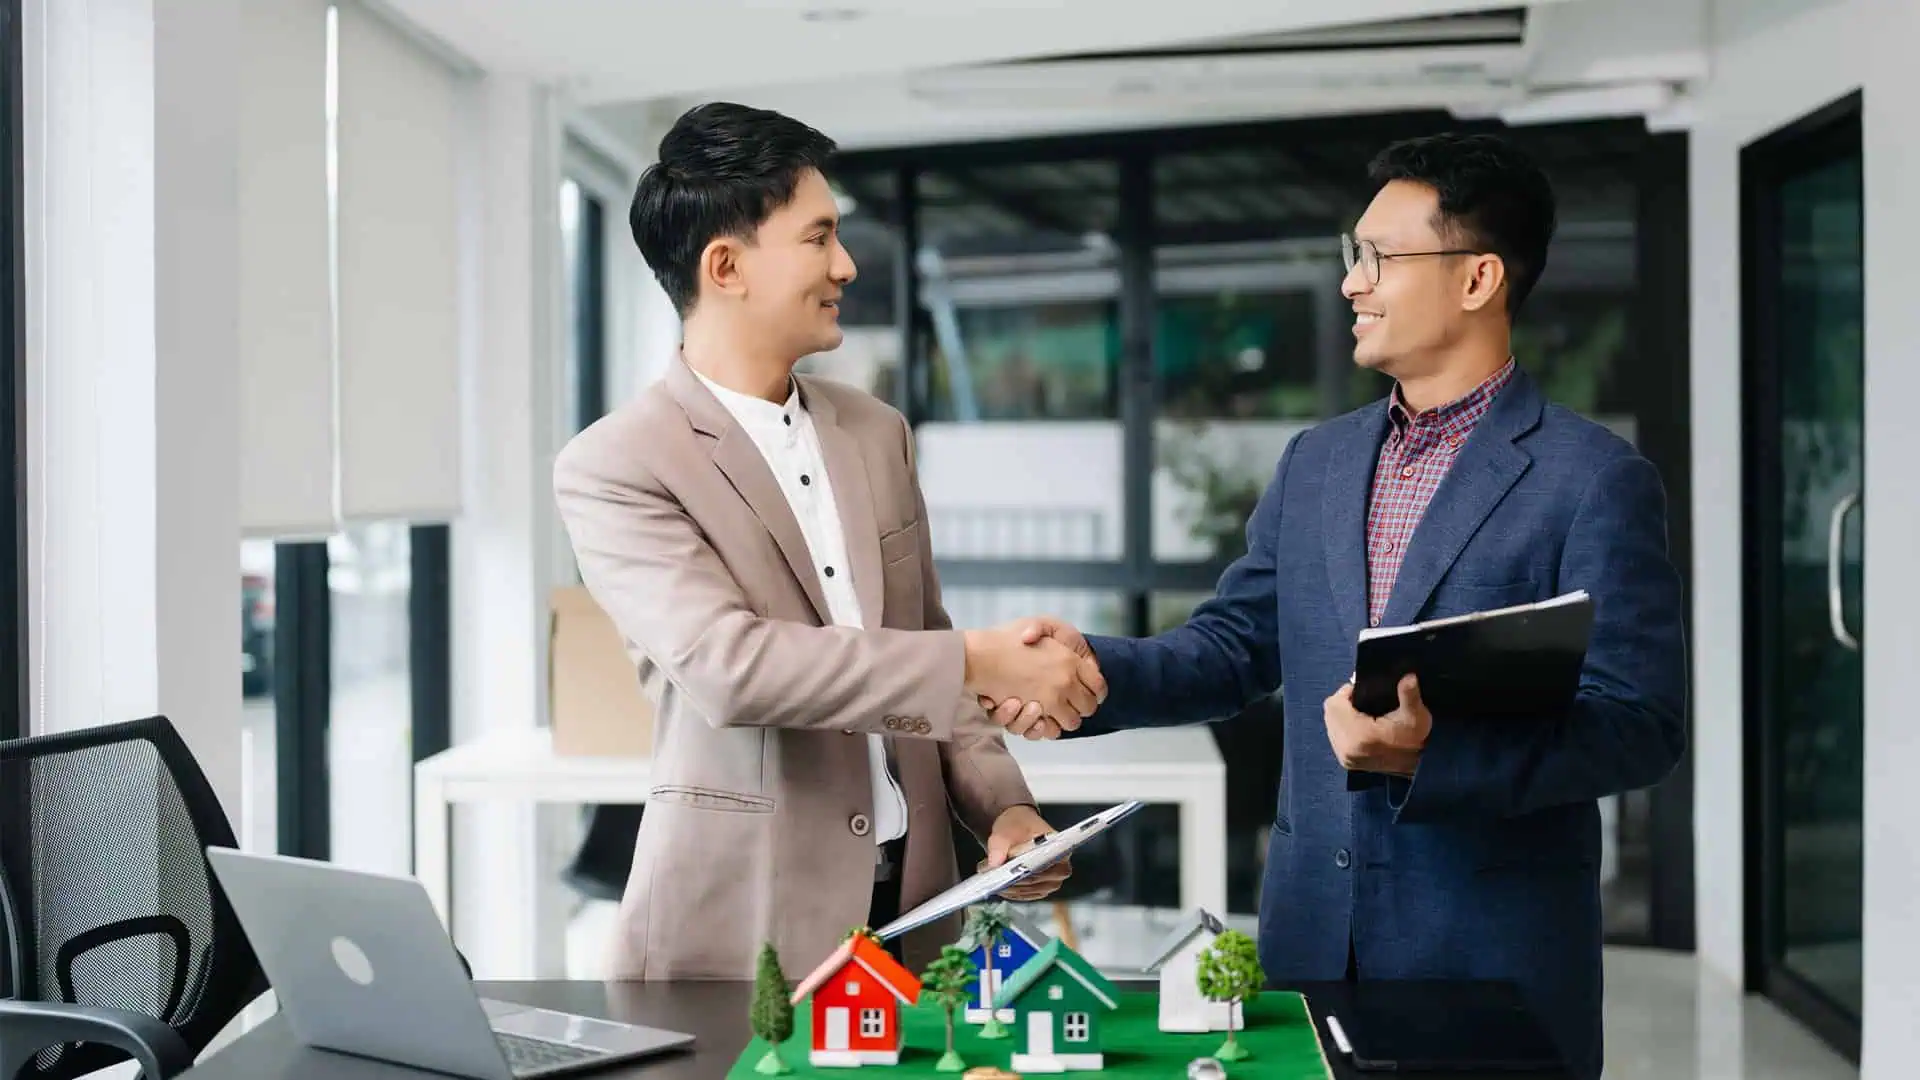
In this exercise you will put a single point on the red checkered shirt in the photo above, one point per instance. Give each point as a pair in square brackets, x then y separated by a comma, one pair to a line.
[1415, 457]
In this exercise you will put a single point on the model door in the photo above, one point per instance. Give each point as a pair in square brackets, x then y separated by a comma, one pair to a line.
[1040, 1034]
[838, 1023]
[1804, 385]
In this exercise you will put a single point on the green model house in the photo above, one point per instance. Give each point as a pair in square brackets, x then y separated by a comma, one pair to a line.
[1057, 999]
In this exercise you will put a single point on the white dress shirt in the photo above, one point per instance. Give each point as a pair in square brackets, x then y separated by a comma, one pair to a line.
[784, 433]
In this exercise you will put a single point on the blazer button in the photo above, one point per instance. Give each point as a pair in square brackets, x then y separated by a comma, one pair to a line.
[1342, 859]
[859, 824]
[923, 727]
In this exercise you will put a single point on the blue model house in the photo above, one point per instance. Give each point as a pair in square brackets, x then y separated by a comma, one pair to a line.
[1011, 950]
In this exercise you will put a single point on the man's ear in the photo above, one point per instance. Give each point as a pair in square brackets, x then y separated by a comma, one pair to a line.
[1486, 276]
[720, 266]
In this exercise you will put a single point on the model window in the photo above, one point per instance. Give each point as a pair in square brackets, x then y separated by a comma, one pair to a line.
[1076, 1027]
[853, 987]
[873, 1023]
[1005, 951]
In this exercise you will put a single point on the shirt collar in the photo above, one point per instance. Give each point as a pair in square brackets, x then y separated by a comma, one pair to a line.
[1459, 415]
[758, 413]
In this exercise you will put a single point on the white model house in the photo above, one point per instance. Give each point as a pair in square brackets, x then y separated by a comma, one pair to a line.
[1182, 1007]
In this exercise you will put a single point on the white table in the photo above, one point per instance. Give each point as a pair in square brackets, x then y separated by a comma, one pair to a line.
[1161, 765]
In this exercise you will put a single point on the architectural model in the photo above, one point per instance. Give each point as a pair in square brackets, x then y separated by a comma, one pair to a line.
[1058, 1000]
[857, 992]
[1182, 1006]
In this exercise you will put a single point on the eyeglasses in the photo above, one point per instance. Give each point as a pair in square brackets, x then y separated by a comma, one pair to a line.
[1367, 256]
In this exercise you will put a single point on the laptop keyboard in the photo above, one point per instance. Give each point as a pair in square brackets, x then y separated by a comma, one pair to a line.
[525, 1055]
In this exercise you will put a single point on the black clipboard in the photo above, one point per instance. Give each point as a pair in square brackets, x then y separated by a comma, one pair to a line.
[1518, 662]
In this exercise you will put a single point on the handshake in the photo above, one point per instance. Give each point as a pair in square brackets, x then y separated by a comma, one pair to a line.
[1034, 677]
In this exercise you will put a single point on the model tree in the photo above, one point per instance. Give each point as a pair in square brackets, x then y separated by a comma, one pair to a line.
[947, 981]
[772, 1011]
[985, 925]
[1230, 973]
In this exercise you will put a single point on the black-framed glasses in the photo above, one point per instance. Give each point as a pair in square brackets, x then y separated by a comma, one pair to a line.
[1364, 254]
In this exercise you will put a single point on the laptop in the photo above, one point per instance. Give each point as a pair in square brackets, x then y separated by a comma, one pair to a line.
[1391, 1025]
[361, 965]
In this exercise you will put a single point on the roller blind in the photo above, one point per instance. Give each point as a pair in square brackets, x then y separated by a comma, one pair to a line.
[399, 400]
[286, 371]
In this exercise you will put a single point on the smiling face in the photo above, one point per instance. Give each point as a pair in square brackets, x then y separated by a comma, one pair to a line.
[789, 279]
[1423, 305]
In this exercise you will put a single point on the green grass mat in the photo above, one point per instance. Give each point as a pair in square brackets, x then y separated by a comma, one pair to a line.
[1281, 1040]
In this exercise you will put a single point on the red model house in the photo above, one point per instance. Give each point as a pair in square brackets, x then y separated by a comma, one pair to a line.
[857, 993]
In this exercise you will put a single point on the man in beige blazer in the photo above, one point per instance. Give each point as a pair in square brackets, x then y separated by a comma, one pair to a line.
[760, 540]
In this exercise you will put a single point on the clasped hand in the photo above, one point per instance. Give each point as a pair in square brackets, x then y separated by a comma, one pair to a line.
[1021, 711]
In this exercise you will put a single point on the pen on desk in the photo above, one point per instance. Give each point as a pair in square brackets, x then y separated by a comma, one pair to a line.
[1339, 1034]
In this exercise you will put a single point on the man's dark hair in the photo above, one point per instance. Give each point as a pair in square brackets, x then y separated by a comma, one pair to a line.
[723, 169]
[1493, 198]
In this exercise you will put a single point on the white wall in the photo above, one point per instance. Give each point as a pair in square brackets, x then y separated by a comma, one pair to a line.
[132, 358]
[1774, 61]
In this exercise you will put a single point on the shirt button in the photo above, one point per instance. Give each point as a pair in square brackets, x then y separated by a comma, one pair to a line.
[1342, 859]
[1407, 472]
[1375, 621]
[829, 571]
[859, 824]
[1388, 548]
[787, 420]
[805, 479]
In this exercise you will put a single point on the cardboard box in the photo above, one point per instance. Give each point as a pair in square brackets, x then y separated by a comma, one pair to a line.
[594, 693]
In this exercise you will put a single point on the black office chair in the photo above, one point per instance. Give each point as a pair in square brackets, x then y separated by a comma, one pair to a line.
[116, 943]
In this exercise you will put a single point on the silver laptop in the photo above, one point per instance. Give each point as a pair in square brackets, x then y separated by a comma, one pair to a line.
[361, 964]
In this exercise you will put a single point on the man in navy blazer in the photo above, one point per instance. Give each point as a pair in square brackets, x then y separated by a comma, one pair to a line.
[1470, 849]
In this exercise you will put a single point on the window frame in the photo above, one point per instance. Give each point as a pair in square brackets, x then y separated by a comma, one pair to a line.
[15, 685]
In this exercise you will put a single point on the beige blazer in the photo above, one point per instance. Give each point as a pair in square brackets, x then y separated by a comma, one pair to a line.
[758, 826]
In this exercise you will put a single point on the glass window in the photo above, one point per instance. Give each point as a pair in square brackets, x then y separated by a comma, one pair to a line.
[1020, 452]
[1252, 338]
[259, 824]
[370, 739]
[1092, 610]
[1019, 286]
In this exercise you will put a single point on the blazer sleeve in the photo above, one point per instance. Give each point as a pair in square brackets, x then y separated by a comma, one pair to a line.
[1223, 658]
[650, 567]
[982, 777]
[1626, 728]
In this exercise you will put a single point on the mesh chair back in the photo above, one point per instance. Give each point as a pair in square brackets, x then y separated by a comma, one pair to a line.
[106, 897]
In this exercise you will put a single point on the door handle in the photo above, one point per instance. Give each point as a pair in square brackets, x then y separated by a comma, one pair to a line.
[1836, 606]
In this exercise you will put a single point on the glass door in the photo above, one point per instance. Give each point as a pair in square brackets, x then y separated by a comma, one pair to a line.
[1804, 320]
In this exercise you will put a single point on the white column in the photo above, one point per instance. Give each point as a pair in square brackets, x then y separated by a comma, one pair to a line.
[1890, 641]
[502, 554]
[132, 353]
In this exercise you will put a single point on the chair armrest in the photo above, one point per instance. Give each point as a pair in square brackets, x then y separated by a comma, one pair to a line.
[28, 1027]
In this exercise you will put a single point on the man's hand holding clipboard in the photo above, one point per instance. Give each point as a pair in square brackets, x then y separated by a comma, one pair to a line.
[1038, 885]
[1021, 865]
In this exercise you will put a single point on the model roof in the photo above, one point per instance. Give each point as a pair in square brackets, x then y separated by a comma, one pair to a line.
[1054, 953]
[869, 954]
[1195, 922]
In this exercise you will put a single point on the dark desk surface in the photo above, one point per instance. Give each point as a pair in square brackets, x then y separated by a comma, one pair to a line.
[714, 1012]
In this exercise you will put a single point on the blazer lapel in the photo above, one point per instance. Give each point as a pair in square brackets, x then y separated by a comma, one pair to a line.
[744, 467]
[1481, 476]
[853, 496]
[1343, 514]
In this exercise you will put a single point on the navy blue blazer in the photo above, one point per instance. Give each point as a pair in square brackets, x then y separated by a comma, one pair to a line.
[1485, 864]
